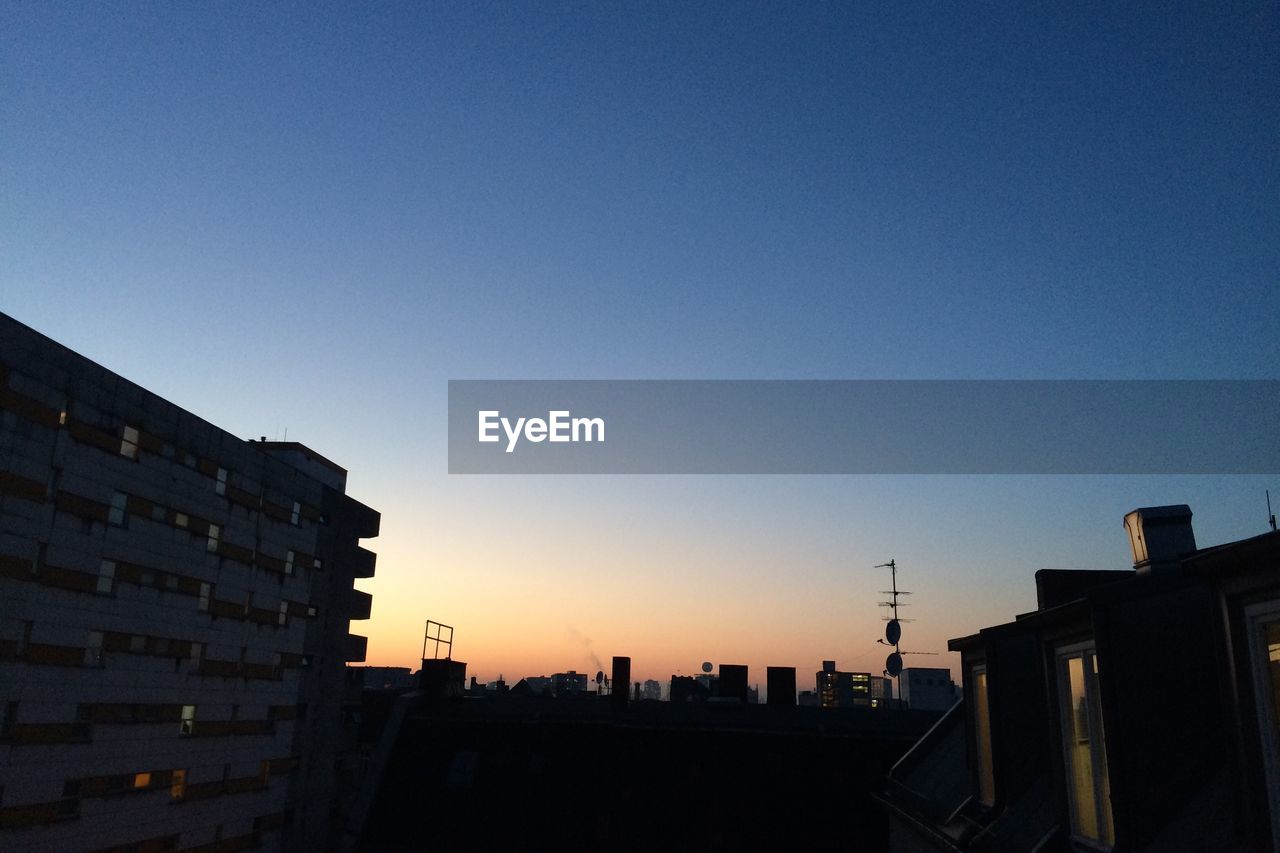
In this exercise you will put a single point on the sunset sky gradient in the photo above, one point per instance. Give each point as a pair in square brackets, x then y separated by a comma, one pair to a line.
[310, 217]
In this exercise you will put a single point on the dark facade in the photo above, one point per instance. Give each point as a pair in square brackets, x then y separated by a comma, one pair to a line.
[1132, 711]
[174, 614]
[530, 775]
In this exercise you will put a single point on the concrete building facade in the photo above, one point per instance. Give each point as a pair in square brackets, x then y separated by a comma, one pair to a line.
[174, 619]
[927, 688]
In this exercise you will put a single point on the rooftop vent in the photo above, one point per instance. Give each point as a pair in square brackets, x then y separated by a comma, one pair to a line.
[1159, 536]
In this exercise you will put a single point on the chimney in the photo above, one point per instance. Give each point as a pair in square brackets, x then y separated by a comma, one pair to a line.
[1160, 537]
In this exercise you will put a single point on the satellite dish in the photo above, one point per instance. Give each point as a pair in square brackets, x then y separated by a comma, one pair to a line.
[893, 632]
[706, 666]
[599, 676]
[893, 664]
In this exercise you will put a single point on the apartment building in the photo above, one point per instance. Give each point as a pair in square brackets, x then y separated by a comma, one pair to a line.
[1131, 711]
[175, 605]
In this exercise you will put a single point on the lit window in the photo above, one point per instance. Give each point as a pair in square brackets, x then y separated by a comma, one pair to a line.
[283, 618]
[214, 533]
[197, 649]
[129, 443]
[221, 485]
[1083, 744]
[180, 519]
[205, 591]
[311, 611]
[142, 780]
[297, 512]
[188, 720]
[93, 649]
[288, 563]
[317, 564]
[982, 737]
[118, 502]
[178, 785]
[106, 577]
[1264, 649]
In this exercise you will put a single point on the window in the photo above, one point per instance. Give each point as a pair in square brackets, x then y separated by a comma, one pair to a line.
[178, 785]
[1264, 651]
[70, 803]
[220, 486]
[10, 718]
[288, 563]
[157, 512]
[206, 590]
[1083, 744]
[283, 617]
[24, 642]
[106, 577]
[142, 780]
[297, 513]
[116, 514]
[93, 650]
[188, 724]
[982, 737]
[214, 533]
[316, 563]
[129, 443]
[311, 611]
[197, 650]
[180, 520]
[137, 644]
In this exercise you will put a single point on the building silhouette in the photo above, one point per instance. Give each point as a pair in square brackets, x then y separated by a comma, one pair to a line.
[174, 614]
[1132, 710]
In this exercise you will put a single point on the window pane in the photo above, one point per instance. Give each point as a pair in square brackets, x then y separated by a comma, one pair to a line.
[982, 734]
[1088, 785]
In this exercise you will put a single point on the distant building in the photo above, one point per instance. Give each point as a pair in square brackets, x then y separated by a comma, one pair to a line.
[733, 682]
[1077, 730]
[928, 689]
[569, 683]
[881, 692]
[383, 677]
[808, 699]
[685, 688]
[651, 690]
[533, 685]
[174, 613]
[838, 689]
[780, 683]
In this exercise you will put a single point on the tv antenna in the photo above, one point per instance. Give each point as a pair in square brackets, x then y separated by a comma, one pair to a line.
[893, 631]
[1270, 515]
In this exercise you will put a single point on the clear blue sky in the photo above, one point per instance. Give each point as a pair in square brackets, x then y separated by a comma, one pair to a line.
[312, 216]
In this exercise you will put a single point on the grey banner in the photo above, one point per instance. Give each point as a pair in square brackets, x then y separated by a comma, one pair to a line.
[863, 427]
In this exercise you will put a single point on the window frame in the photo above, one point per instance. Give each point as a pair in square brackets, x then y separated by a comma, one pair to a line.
[1103, 816]
[1256, 616]
[983, 745]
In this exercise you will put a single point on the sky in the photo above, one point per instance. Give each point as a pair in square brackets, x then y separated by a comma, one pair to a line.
[309, 217]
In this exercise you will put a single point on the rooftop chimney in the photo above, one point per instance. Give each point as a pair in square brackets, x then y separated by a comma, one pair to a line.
[1159, 536]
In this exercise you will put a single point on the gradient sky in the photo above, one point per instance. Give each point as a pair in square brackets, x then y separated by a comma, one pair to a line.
[309, 217]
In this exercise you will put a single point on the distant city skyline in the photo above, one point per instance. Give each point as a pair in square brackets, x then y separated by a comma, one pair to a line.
[304, 219]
